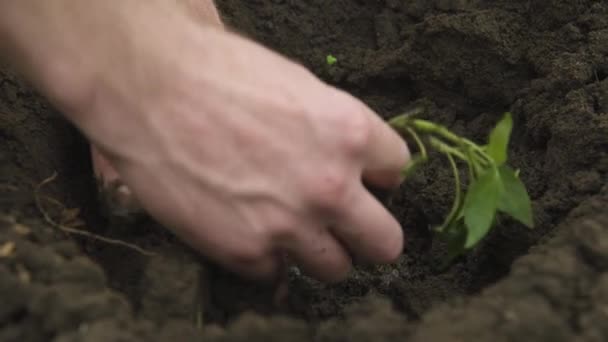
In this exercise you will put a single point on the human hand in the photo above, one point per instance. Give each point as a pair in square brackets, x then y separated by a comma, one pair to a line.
[244, 154]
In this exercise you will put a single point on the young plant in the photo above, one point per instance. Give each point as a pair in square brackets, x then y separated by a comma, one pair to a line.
[493, 186]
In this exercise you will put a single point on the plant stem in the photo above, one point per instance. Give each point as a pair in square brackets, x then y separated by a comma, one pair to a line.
[419, 142]
[421, 158]
[443, 140]
[473, 172]
[446, 149]
[457, 204]
[432, 128]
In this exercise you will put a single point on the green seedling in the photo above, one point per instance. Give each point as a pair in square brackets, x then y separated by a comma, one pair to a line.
[493, 186]
[331, 60]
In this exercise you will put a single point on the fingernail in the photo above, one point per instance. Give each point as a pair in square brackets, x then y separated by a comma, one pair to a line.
[118, 201]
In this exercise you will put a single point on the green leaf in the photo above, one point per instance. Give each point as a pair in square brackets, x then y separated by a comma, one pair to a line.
[331, 60]
[455, 236]
[515, 200]
[499, 140]
[480, 205]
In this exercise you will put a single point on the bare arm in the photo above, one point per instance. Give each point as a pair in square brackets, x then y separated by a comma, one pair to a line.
[244, 154]
[48, 40]
[203, 10]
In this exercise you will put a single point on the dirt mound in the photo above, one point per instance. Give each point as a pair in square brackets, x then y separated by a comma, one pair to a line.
[473, 60]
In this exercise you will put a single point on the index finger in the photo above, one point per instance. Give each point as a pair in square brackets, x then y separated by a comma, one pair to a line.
[386, 153]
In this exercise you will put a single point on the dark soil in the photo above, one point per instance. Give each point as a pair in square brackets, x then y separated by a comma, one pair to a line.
[546, 62]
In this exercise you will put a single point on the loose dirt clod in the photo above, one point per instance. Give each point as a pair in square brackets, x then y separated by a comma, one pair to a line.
[7, 249]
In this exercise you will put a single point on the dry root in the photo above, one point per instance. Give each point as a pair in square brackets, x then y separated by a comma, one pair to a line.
[69, 222]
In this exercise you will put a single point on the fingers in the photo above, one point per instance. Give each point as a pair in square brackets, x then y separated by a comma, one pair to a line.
[268, 269]
[368, 230]
[320, 255]
[386, 154]
[117, 199]
[103, 170]
[363, 228]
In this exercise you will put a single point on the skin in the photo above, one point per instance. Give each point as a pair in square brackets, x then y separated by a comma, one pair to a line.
[244, 154]
[118, 198]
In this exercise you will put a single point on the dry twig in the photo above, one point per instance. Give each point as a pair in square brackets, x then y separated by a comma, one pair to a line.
[71, 230]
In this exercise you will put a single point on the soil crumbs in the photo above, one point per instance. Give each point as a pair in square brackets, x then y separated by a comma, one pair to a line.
[473, 60]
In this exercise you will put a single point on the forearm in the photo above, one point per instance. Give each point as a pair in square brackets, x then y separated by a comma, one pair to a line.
[202, 10]
[60, 45]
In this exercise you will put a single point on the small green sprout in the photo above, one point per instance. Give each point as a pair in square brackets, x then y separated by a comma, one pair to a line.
[493, 186]
[331, 60]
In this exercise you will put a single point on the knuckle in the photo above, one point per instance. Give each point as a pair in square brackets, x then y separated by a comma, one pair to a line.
[356, 131]
[330, 189]
[248, 254]
[281, 226]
